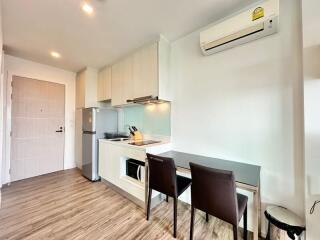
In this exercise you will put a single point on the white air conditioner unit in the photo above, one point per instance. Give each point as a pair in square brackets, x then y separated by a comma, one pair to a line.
[257, 22]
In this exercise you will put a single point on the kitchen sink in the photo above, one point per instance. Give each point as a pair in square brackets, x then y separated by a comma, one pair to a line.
[118, 139]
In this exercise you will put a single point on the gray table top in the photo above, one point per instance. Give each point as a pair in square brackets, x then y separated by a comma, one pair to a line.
[244, 173]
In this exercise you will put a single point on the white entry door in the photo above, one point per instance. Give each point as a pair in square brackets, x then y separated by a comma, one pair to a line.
[37, 140]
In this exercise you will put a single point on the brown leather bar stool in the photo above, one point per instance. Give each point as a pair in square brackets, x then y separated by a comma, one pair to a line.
[214, 192]
[163, 178]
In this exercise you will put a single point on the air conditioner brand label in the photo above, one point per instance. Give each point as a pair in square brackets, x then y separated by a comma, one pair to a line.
[257, 13]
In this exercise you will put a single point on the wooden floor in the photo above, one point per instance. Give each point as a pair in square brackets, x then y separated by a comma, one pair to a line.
[64, 205]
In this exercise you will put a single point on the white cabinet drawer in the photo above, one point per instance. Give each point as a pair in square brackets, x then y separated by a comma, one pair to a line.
[134, 153]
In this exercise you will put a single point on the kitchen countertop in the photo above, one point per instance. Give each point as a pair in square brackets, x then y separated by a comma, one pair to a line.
[163, 141]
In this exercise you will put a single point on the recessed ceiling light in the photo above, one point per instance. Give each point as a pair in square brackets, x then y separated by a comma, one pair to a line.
[87, 8]
[55, 54]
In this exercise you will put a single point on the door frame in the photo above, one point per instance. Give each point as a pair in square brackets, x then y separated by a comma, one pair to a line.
[7, 161]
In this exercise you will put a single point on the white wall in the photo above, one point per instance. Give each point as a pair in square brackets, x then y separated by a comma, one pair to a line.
[25, 68]
[246, 105]
[311, 62]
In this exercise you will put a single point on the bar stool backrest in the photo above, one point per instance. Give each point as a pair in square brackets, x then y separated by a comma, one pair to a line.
[162, 175]
[214, 191]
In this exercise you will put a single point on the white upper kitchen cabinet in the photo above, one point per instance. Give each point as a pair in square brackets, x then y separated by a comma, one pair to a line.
[104, 84]
[151, 71]
[143, 73]
[122, 82]
[86, 88]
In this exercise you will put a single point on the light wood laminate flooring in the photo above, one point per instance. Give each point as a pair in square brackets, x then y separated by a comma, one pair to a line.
[65, 205]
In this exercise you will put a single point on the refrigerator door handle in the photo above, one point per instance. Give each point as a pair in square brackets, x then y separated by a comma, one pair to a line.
[88, 132]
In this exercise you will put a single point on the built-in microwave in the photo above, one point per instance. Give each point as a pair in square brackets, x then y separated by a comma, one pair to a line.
[135, 169]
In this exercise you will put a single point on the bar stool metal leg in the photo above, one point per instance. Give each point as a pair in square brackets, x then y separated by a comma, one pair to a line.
[192, 222]
[149, 203]
[245, 223]
[175, 218]
[235, 232]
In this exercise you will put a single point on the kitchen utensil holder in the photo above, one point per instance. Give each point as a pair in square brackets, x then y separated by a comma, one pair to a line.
[137, 136]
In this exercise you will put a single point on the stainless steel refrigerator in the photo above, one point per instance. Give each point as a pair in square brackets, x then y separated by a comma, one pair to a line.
[95, 122]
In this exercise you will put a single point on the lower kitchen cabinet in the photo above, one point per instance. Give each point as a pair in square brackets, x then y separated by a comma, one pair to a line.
[109, 167]
[113, 157]
[112, 167]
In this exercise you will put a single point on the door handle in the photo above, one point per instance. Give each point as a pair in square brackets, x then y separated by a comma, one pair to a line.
[60, 130]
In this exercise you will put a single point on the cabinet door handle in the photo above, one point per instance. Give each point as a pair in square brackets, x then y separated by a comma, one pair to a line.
[138, 170]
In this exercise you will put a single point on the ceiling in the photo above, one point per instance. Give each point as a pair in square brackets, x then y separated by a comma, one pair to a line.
[33, 28]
